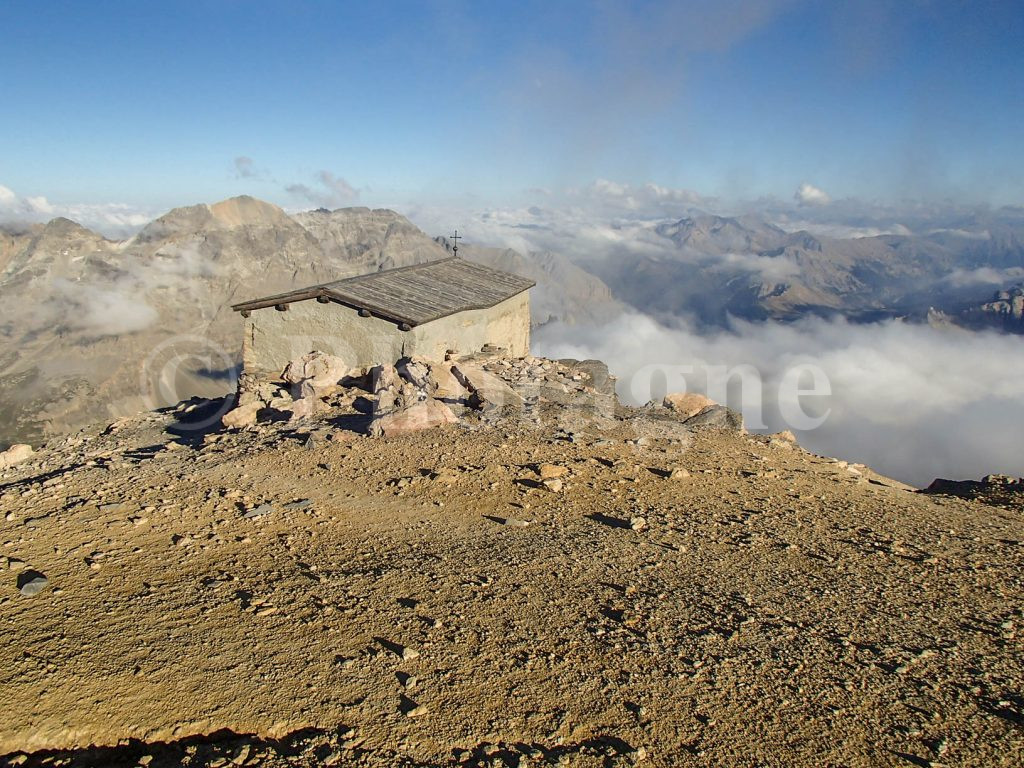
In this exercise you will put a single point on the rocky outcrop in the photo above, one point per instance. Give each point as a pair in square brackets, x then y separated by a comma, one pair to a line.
[488, 388]
[313, 376]
[299, 393]
[405, 398]
[1009, 303]
[318, 370]
[241, 416]
[996, 490]
[415, 393]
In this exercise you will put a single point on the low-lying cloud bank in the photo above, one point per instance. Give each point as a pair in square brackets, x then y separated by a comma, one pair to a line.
[912, 401]
[110, 219]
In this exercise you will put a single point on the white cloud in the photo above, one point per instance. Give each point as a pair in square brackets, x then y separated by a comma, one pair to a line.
[645, 201]
[771, 269]
[839, 231]
[244, 168]
[911, 401]
[963, 233]
[808, 194]
[340, 188]
[961, 278]
[329, 191]
[109, 219]
[98, 310]
[40, 205]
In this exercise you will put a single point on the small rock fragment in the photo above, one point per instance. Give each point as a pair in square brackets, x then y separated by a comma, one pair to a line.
[259, 511]
[549, 471]
[32, 583]
[637, 523]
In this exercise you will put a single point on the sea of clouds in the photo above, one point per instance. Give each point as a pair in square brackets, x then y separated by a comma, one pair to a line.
[912, 401]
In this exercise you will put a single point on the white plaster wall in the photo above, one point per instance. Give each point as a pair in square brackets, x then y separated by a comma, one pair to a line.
[506, 324]
[273, 338]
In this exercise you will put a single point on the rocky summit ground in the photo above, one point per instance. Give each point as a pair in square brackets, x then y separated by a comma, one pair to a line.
[626, 591]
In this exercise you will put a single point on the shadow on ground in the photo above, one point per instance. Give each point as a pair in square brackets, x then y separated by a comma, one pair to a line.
[213, 749]
[314, 747]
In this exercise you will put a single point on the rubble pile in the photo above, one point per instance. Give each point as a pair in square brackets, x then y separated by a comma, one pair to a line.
[415, 393]
[483, 389]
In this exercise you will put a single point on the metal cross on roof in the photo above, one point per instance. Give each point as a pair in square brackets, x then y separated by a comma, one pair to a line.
[455, 242]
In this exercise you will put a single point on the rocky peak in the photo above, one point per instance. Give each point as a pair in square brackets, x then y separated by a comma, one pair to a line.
[370, 240]
[1007, 303]
[720, 234]
[246, 211]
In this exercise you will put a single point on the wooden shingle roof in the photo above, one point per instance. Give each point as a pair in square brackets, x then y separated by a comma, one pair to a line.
[409, 295]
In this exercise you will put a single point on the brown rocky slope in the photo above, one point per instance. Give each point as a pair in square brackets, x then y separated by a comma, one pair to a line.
[298, 594]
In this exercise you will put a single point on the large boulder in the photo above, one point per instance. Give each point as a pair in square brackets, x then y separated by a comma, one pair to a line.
[716, 417]
[486, 389]
[433, 378]
[313, 376]
[388, 386]
[308, 402]
[445, 385]
[424, 414]
[321, 370]
[687, 404]
[384, 377]
[242, 416]
[414, 370]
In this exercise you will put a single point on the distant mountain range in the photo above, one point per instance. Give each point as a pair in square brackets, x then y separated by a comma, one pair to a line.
[713, 267]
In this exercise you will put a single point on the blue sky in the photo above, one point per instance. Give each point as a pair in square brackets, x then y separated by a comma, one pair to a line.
[151, 104]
